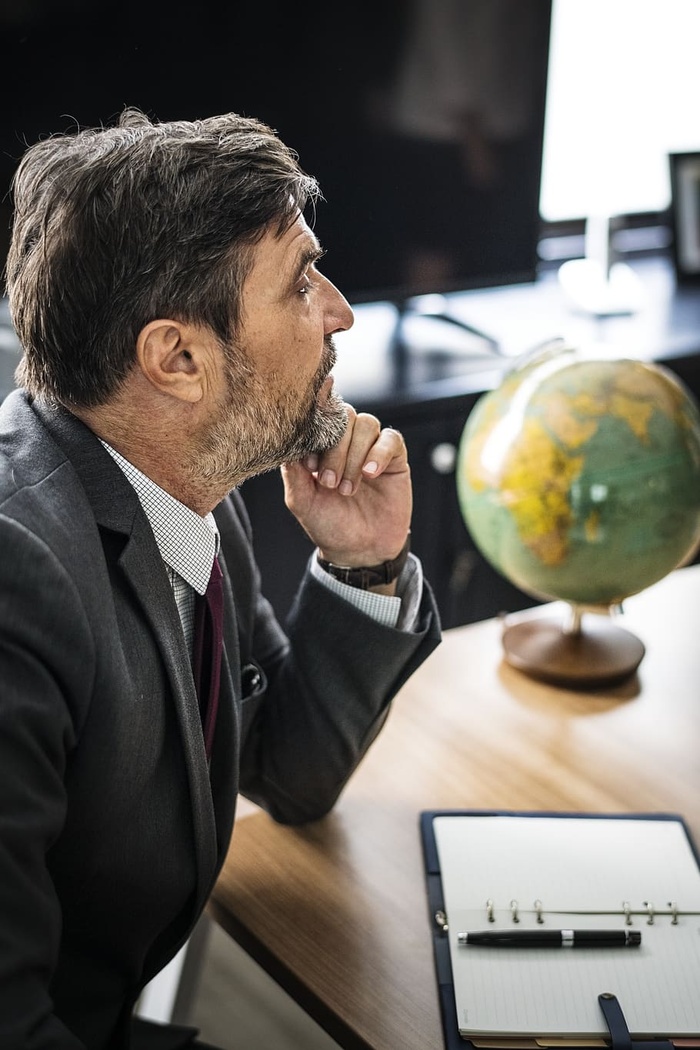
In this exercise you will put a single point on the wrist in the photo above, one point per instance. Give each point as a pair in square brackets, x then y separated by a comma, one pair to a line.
[368, 577]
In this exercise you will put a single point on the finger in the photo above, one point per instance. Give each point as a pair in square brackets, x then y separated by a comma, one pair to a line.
[388, 453]
[340, 467]
[365, 439]
[371, 453]
[314, 462]
[299, 486]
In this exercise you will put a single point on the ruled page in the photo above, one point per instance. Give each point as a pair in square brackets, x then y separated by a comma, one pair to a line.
[580, 871]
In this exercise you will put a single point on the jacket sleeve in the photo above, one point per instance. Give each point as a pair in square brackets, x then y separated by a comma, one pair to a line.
[40, 664]
[329, 683]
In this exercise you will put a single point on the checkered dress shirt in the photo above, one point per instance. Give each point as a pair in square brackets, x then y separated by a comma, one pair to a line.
[187, 542]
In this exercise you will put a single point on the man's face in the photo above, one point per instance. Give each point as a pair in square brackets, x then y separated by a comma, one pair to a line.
[278, 403]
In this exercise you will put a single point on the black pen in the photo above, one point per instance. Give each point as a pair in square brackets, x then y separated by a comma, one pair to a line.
[553, 938]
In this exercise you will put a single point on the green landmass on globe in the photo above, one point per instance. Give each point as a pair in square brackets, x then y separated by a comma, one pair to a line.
[578, 477]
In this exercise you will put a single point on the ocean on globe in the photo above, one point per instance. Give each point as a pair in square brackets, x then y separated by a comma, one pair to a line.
[578, 477]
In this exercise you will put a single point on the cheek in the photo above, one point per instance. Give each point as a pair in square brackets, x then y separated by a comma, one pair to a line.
[288, 356]
[302, 362]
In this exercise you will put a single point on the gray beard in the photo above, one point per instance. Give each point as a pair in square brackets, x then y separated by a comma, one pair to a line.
[322, 429]
[249, 439]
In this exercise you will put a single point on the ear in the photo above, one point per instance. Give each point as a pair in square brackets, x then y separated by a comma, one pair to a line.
[176, 358]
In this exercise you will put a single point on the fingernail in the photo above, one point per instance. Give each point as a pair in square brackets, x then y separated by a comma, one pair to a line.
[328, 479]
[312, 462]
[345, 488]
[370, 468]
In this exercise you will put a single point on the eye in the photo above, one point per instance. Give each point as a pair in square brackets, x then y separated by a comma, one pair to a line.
[307, 282]
[309, 278]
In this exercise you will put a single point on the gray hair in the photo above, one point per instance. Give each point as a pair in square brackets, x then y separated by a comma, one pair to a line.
[115, 227]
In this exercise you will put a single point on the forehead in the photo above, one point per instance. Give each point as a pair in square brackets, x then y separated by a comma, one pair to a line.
[281, 255]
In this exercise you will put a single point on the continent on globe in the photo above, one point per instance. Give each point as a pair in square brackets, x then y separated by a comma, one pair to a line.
[578, 477]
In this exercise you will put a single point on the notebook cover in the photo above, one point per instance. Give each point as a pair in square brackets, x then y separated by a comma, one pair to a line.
[443, 966]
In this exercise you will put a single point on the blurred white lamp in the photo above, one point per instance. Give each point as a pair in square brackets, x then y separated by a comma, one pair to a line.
[597, 284]
[621, 95]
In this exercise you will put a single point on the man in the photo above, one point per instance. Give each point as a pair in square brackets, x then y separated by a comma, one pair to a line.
[177, 339]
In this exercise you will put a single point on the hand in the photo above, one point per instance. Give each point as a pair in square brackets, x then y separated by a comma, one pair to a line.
[355, 500]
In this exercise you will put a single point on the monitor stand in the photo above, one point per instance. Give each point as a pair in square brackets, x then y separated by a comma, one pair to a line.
[598, 284]
[428, 342]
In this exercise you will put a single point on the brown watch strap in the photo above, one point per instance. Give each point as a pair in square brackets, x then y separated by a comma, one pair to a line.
[366, 576]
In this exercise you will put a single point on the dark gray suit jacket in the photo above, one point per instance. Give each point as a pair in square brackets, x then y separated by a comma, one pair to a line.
[112, 828]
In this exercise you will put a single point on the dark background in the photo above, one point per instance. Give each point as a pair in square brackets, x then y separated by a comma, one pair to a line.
[402, 213]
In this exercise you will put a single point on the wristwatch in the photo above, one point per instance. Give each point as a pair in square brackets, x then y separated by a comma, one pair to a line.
[366, 576]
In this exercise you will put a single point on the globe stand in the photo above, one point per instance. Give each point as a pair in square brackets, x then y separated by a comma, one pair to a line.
[567, 654]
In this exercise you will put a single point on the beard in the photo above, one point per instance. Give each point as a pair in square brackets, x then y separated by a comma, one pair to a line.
[255, 432]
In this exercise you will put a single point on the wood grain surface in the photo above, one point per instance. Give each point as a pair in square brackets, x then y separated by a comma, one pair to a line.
[336, 910]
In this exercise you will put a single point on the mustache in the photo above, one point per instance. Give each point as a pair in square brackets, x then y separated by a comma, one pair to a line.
[328, 361]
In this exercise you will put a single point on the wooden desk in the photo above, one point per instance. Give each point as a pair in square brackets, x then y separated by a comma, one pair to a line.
[336, 911]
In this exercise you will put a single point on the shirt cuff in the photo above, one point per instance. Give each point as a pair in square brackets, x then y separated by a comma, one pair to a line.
[398, 610]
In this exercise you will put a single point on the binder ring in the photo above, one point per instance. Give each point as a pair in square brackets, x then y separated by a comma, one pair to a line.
[674, 912]
[490, 917]
[649, 905]
[538, 910]
[628, 913]
[514, 911]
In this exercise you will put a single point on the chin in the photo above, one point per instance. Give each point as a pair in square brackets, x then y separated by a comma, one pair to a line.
[332, 422]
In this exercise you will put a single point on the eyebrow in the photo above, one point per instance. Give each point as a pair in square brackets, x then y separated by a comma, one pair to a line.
[307, 257]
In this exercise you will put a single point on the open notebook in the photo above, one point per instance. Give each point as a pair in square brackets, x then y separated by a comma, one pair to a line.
[489, 871]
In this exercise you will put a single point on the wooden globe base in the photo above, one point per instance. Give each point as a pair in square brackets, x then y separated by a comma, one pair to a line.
[596, 654]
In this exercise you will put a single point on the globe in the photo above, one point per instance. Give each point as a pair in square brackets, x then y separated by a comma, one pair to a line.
[578, 478]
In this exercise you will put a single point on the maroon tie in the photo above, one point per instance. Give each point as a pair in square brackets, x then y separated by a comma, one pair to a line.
[207, 649]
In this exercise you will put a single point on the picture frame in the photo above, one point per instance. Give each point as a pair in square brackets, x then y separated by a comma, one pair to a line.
[685, 214]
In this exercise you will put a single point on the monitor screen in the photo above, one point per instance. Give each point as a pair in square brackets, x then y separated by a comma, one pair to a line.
[606, 148]
[422, 119]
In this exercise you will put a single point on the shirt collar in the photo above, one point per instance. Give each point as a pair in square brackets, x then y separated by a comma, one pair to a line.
[187, 542]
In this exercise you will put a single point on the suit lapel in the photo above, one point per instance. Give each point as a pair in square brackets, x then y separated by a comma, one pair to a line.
[144, 570]
[116, 507]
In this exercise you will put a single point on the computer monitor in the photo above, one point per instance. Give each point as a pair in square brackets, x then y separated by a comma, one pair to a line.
[422, 119]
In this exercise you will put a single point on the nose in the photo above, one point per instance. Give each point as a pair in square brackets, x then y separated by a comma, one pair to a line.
[339, 316]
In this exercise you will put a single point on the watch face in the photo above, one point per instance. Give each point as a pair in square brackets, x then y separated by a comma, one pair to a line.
[364, 578]
[367, 576]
